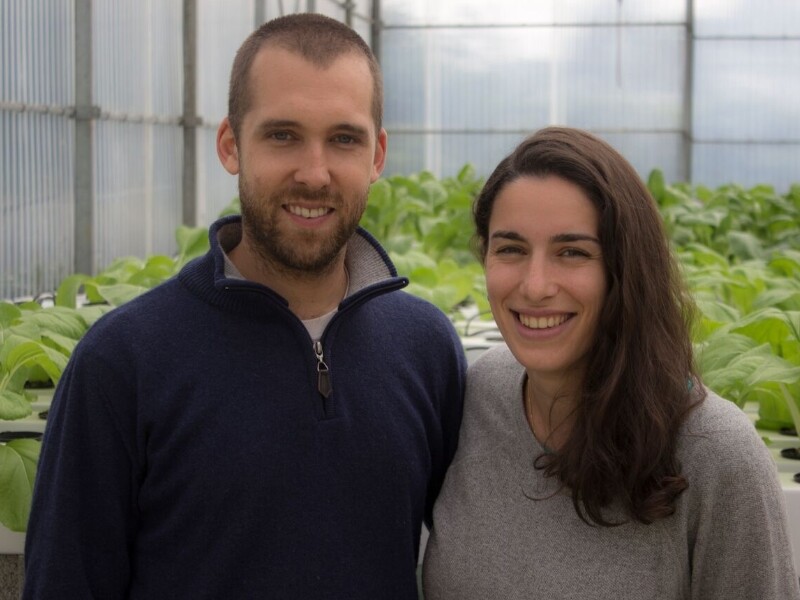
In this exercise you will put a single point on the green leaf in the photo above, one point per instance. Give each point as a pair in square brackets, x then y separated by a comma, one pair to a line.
[157, 270]
[745, 246]
[234, 207]
[656, 185]
[118, 294]
[59, 319]
[90, 314]
[121, 269]
[67, 292]
[18, 460]
[8, 314]
[32, 353]
[192, 242]
[14, 404]
[768, 325]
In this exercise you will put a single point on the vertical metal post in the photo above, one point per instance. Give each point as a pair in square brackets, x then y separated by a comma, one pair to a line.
[190, 120]
[311, 6]
[688, 96]
[260, 14]
[375, 42]
[349, 7]
[85, 113]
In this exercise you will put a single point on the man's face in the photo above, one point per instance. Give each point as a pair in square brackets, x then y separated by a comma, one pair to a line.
[306, 155]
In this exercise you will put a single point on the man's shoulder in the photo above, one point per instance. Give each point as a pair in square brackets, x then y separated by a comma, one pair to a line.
[161, 303]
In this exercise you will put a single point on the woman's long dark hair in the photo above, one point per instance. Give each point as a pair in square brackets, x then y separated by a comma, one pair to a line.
[641, 380]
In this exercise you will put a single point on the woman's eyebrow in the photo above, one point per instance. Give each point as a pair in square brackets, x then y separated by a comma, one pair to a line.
[574, 237]
[507, 235]
[558, 238]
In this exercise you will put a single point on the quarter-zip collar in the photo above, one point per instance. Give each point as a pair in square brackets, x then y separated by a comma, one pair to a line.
[371, 272]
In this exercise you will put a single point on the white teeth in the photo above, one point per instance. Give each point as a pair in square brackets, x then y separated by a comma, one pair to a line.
[308, 213]
[542, 322]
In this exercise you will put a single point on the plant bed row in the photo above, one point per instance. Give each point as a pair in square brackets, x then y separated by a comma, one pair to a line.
[739, 248]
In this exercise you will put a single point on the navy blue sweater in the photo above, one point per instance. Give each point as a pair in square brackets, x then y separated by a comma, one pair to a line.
[190, 454]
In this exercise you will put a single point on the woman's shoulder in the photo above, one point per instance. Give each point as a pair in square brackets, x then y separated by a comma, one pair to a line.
[495, 358]
[716, 415]
[493, 394]
[719, 433]
[495, 371]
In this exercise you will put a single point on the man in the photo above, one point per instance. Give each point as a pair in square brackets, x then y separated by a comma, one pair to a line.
[276, 421]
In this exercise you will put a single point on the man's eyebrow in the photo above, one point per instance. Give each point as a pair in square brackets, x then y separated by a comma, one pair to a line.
[277, 124]
[270, 124]
[356, 130]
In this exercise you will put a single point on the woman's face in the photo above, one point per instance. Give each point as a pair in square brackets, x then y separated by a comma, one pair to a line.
[544, 274]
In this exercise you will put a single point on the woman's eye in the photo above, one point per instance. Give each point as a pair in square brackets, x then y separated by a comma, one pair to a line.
[574, 253]
[508, 250]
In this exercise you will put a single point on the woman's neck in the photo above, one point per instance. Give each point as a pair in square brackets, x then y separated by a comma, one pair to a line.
[549, 409]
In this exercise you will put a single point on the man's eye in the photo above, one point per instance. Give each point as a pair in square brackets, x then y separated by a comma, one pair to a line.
[280, 136]
[344, 139]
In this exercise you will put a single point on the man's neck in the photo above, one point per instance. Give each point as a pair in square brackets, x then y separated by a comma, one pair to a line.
[309, 295]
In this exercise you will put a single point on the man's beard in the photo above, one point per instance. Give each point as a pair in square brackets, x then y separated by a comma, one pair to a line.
[300, 252]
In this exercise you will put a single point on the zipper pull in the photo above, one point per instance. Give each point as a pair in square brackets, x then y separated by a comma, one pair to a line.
[323, 377]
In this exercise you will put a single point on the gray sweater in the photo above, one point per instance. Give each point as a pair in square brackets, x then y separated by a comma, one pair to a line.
[502, 530]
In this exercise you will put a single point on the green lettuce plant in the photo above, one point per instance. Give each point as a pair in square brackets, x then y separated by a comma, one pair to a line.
[739, 249]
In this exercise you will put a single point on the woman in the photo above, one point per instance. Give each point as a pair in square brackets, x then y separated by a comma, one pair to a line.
[592, 462]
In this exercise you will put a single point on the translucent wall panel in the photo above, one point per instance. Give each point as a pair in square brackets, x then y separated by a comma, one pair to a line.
[166, 186]
[362, 21]
[748, 164]
[447, 153]
[466, 12]
[331, 8]
[461, 82]
[136, 191]
[528, 12]
[648, 151]
[487, 82]
[477, 80]
[645, 151]
[609, 78]
[36, 183]
[147, 82]
[278, 8]
[623, 11]
[746, 94]
[36, 203]
[774, 18]
[747, 90]
[137, 143]
[222, 27]
[36, 50]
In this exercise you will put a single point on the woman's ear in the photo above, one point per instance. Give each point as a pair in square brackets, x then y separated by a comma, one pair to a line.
[227, 150]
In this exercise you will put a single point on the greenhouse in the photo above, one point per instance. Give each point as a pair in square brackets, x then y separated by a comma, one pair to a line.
[122, 149]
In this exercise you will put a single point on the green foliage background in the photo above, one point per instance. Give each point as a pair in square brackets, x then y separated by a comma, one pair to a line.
[739, 248]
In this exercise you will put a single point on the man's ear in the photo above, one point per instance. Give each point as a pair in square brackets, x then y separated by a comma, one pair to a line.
[379, 160]
[227, 149]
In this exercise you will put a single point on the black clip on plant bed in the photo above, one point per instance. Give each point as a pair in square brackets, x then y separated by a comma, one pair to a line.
[790, 453]
[7, 436]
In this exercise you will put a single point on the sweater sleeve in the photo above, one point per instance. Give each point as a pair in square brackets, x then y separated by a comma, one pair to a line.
[450, 413]
[740, 547]
[82, 516]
